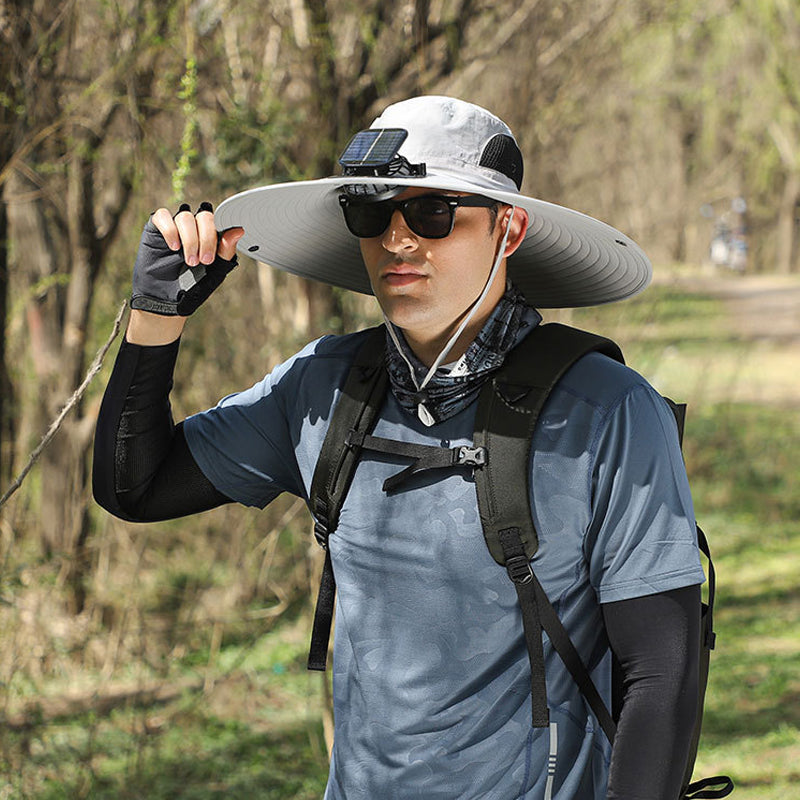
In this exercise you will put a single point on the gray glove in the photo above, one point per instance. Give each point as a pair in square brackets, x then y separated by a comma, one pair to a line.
[164, 284]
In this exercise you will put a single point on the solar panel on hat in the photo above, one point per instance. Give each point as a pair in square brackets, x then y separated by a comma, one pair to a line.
[372, 149]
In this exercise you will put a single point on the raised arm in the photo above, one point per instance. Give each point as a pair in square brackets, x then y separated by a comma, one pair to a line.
[143, 469]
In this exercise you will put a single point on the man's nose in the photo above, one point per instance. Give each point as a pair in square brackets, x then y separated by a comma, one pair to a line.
[398, 236]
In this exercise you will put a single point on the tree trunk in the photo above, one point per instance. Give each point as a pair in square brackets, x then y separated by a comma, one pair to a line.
[6, 427]
[677, 213]
[57, 319]
[65, 500]
[788, 224]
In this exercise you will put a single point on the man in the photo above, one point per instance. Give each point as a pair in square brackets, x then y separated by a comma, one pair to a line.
[431, 676]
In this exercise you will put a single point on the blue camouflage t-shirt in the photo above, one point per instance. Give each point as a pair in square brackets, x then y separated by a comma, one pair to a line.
[431, 673]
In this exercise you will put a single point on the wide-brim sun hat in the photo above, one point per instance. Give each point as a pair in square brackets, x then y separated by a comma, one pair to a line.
[567, 259]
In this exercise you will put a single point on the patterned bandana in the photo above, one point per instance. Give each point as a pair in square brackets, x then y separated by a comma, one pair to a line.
[453, 387]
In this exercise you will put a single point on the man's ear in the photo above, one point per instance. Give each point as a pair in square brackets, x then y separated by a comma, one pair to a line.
[518, 223]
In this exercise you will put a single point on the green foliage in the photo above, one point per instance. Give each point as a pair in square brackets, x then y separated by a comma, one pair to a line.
[253, 144]
[716, 85]
[7, 102]
[255, 733]
[188, 147]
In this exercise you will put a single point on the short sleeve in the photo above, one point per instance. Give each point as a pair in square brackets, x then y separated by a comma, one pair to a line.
[248, 444]
[642, 538]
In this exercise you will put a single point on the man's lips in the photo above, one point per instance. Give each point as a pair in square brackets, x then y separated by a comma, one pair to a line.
[401, 275]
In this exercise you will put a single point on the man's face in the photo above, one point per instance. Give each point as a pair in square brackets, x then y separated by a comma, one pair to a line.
[425, 286]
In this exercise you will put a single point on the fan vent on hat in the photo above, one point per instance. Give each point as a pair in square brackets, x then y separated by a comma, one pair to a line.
[502, 154]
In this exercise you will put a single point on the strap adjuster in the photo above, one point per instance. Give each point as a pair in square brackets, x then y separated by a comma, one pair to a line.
[321, 535]
[321, 523]
[519, 569]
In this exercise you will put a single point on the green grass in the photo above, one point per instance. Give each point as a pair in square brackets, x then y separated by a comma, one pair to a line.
[199, 758]
[256, 733]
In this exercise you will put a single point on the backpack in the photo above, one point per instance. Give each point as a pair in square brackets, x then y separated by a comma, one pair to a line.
[508, 408]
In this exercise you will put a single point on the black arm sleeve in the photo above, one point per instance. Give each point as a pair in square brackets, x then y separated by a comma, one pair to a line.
[143, 469]
[657, 641]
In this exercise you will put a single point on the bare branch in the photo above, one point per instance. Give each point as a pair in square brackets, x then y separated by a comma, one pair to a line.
[71, 403]
[584, 27]
[505, 32]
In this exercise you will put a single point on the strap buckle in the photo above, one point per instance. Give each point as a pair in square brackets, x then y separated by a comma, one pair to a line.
[471, 456]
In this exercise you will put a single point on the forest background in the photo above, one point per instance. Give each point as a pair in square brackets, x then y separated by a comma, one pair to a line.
[167, 660]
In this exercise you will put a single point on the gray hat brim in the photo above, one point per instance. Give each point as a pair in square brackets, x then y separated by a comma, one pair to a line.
[567, 259]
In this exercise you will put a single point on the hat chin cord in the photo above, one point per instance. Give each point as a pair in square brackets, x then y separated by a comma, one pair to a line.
[423, 413]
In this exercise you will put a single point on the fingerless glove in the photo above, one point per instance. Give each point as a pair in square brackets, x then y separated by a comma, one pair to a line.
[163, 283]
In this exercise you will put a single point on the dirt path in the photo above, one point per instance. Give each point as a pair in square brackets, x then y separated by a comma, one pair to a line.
[764, 306]
[764, 314]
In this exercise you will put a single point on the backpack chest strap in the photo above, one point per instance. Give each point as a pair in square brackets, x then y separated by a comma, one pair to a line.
[423, 456]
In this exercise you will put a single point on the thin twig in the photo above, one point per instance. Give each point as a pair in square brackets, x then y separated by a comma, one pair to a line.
[71, 403]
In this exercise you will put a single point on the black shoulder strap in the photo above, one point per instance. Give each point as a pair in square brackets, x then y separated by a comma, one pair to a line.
[508, 410]
[356, 411]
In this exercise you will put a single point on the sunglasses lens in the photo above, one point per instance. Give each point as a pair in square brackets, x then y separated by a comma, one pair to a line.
[429, 217]
[366, 220]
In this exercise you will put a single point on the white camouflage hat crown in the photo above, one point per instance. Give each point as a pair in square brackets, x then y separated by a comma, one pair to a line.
[567, 259]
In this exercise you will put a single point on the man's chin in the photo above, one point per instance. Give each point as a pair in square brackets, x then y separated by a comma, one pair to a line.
[404, 310]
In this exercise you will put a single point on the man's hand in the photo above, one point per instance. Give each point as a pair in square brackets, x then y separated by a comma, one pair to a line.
[181, 261]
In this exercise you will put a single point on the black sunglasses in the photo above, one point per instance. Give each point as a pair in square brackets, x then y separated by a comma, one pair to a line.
[430, 216]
